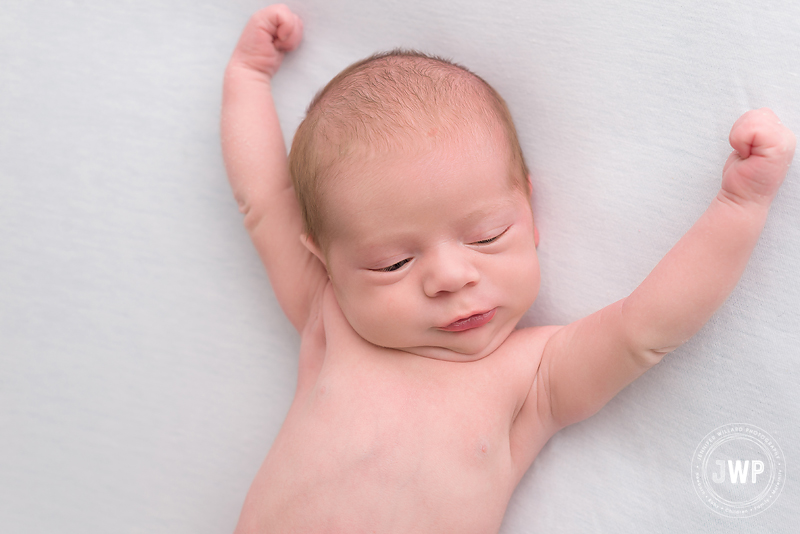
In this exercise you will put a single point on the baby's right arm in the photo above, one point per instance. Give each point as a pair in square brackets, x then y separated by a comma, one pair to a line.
[255, 159]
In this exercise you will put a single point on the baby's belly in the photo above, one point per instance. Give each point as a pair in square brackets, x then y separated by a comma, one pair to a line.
[356, 456]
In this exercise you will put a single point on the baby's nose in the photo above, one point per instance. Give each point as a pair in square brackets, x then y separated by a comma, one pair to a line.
[449, 269]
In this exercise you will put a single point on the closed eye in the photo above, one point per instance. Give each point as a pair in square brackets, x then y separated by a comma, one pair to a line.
[491, 239]
[393, 267]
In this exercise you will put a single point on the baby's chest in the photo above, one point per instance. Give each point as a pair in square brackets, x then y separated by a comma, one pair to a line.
[408, 425]
[370, 444]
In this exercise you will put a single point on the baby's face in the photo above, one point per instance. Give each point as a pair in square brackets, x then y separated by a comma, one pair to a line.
[433, 251]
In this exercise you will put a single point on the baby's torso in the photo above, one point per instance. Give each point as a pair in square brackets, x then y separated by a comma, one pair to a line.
[380, 440]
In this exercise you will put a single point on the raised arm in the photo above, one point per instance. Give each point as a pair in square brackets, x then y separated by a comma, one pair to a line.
[256, 162]
[588, 362]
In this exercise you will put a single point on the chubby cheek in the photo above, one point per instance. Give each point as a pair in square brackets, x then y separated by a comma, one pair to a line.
[521, 279]
[378, 315]
[532, 282]
[522, 268]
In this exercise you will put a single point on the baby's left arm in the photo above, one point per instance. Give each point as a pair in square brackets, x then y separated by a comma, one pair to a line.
[586, 363]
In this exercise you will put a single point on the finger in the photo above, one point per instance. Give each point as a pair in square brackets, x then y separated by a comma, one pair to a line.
[742, 134]
[290, 34]
[289, 28]
[757, 132]
[734, 157]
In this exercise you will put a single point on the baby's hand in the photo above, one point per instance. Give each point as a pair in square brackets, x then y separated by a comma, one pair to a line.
[269, 34]
[762, 152]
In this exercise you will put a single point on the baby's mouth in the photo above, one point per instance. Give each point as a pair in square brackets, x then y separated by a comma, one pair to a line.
[467, 323]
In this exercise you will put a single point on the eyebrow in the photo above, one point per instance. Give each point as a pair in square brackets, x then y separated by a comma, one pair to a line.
[483, 212]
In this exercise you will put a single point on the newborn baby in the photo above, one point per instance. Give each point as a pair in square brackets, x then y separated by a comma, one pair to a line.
[402, 246]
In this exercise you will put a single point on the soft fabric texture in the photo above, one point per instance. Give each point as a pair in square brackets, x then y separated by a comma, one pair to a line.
[145, 366]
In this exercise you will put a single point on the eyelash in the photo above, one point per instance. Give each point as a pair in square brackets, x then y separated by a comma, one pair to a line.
[491, 239]
[395, 266]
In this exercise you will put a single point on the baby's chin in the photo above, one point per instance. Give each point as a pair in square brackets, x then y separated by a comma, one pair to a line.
[456, 353]
[447, 355]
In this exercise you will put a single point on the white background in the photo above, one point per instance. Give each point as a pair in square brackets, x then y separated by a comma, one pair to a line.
[145, 366]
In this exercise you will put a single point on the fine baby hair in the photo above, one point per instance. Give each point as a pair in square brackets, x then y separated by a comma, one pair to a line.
[391, 101]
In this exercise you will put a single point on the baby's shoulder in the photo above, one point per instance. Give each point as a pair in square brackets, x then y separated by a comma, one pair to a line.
[521, 353]
[528, 343]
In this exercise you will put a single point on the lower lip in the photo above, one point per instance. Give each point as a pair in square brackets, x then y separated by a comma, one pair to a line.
[476, 321]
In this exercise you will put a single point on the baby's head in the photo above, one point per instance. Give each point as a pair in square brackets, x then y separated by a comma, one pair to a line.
[414, 194]
[400, 100]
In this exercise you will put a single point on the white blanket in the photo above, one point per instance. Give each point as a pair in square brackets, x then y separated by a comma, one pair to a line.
[145, 366]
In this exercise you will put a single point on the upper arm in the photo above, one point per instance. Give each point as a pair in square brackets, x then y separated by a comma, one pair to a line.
[296, 275]
[586, 363]
[258, 171]
[582, 366]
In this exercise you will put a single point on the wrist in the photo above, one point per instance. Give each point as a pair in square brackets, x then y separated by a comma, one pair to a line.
[753, 206]
[240, 72]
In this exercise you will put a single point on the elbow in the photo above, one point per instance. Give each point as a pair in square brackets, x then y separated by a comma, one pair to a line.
[252, 217]
[646, 351]
[647, 358]
[647, 342]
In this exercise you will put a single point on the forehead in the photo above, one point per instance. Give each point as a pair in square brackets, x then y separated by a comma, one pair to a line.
[437, 185]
